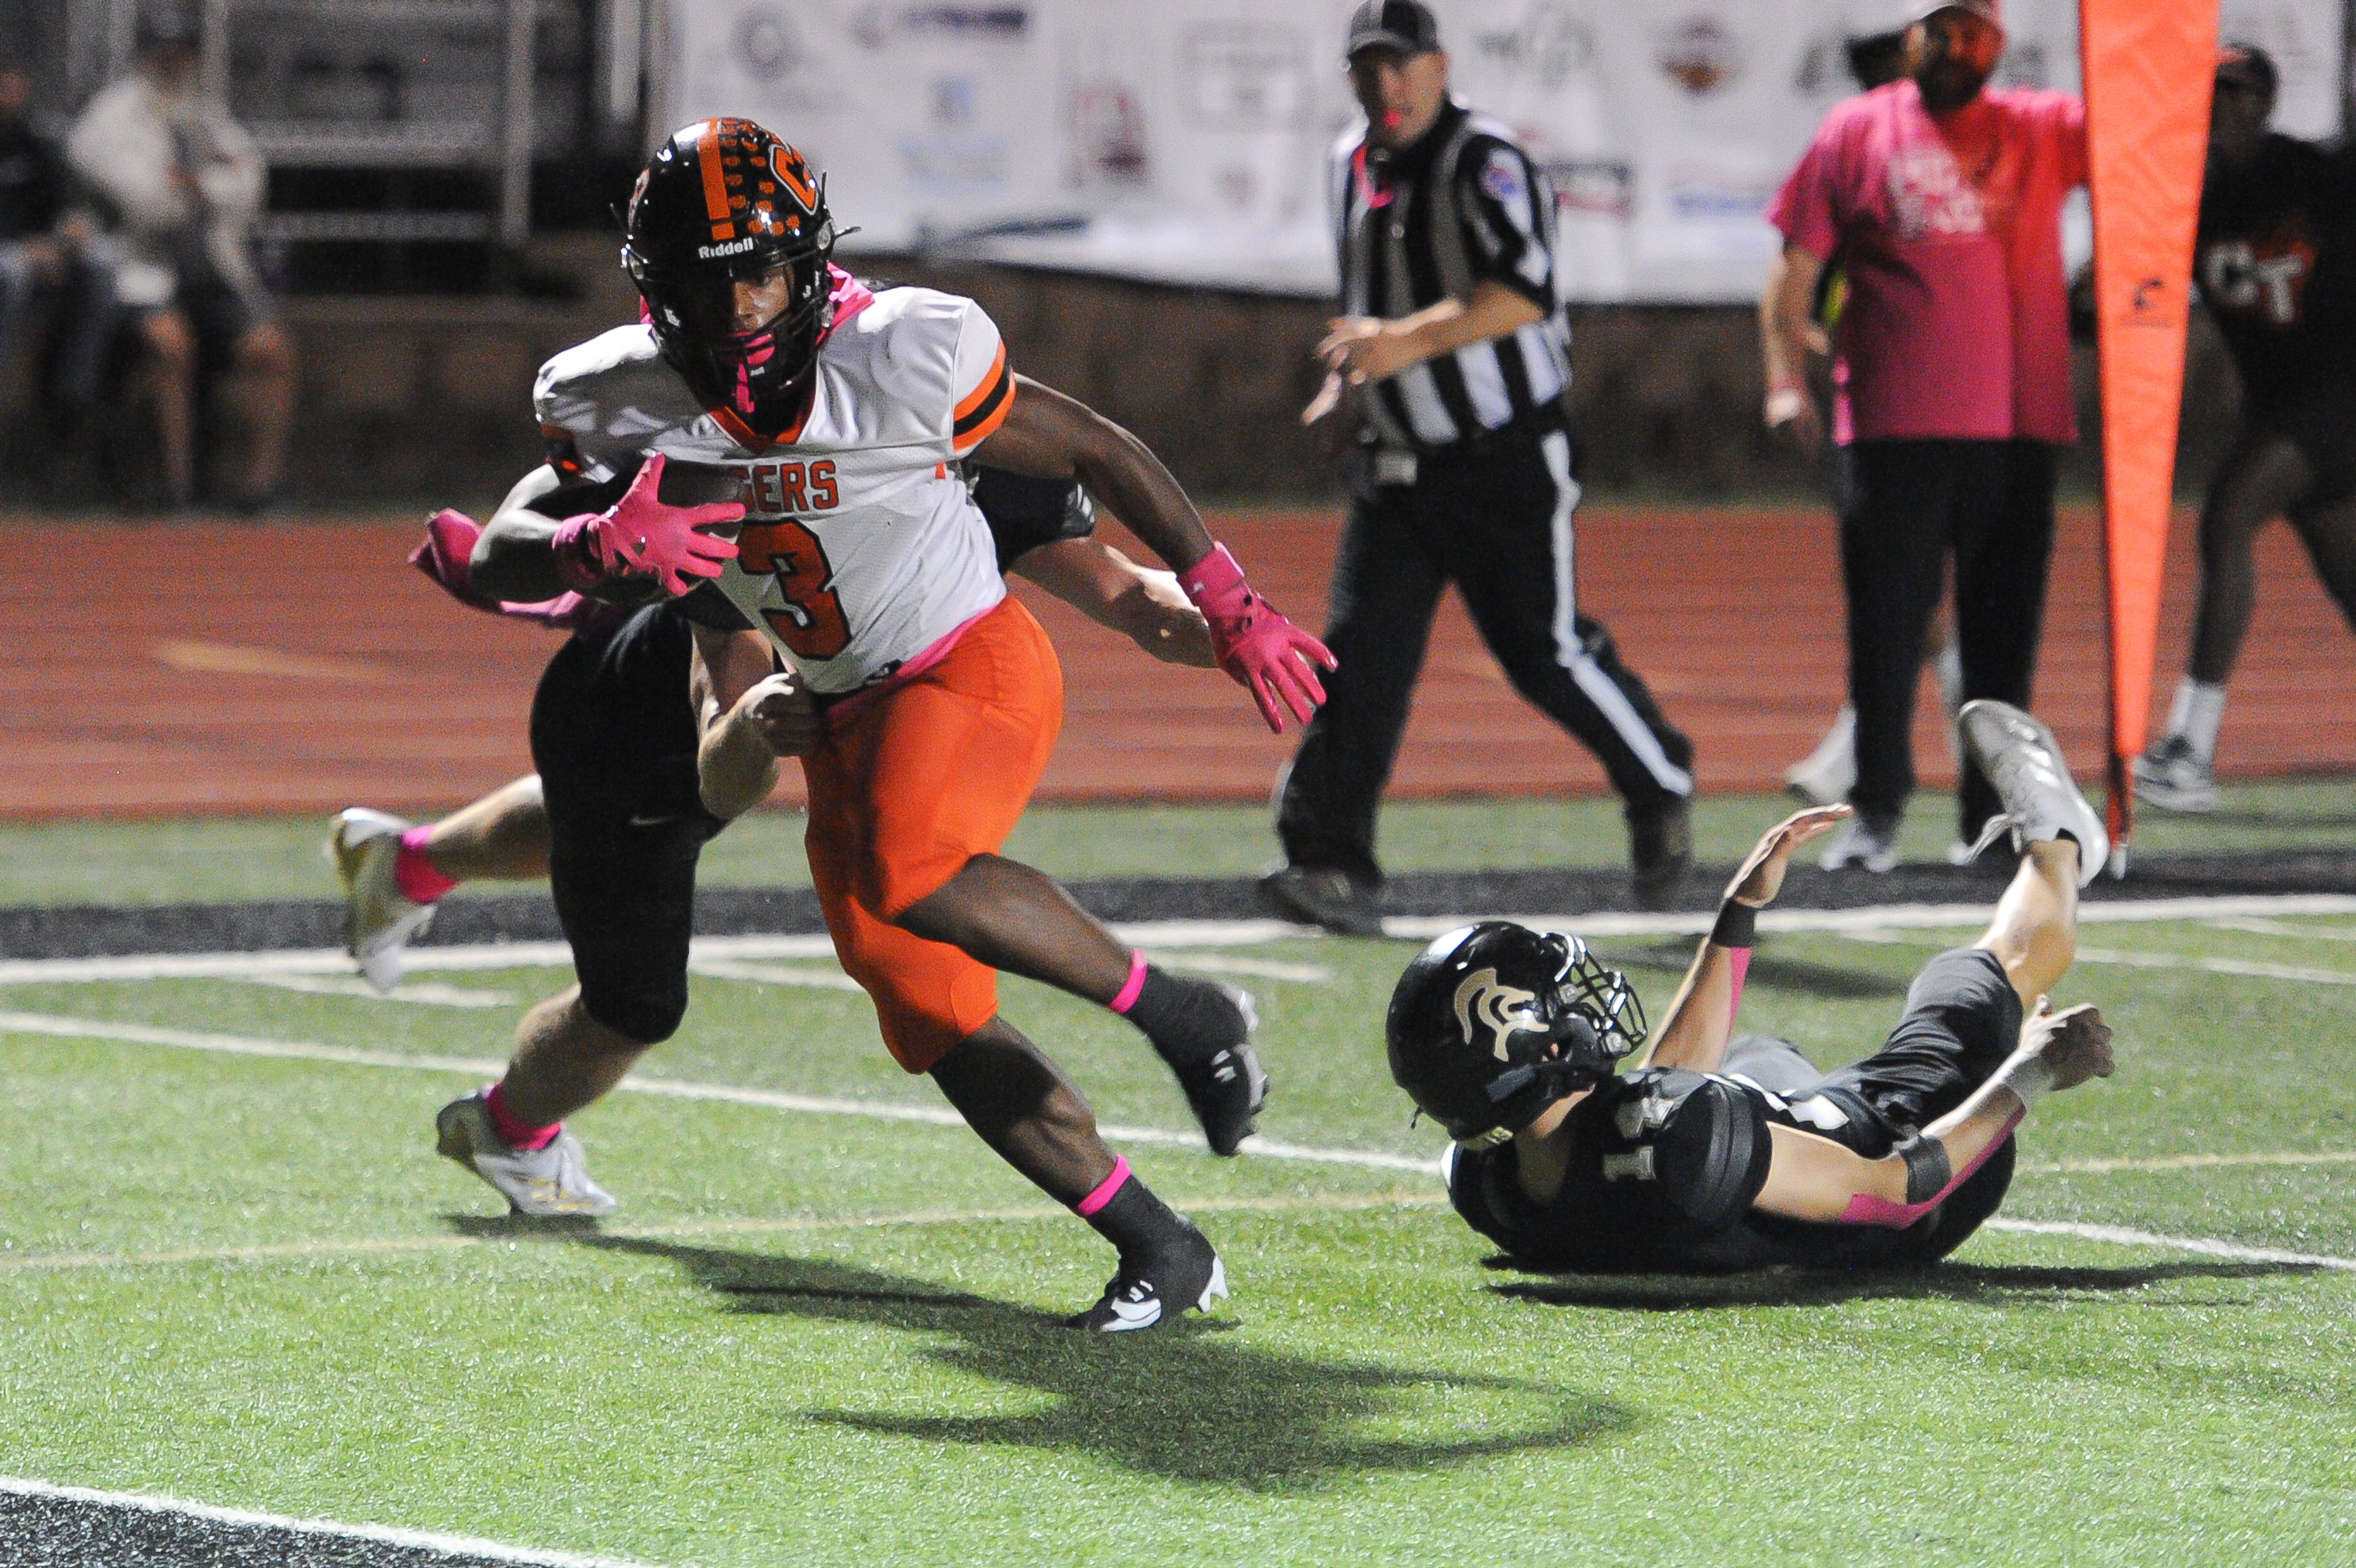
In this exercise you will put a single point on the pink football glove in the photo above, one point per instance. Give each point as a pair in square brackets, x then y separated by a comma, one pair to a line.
[1273, 658]
[447, 556]
[641, 537]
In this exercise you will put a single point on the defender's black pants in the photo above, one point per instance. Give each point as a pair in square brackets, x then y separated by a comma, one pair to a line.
[613, 737]
[1906, 505]
[1494, 518]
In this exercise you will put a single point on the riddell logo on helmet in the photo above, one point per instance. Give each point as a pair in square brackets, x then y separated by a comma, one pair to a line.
[733, 248]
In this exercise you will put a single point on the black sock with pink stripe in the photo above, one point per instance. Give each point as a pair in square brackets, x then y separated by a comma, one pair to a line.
[1125, 1211]
[1188, 1020]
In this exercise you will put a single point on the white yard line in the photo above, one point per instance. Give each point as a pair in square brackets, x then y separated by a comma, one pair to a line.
[419, 993]
[2117, 958]
[2121, 1236]
[1156, 936]
[60, 1027]
[2189, 1162]
[2210, 963]
[454, 1545]
[2260, 926]
[1899, 917]
[375, 1246]
[813, 979]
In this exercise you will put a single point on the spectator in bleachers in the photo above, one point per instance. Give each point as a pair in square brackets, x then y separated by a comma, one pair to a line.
[45, 249]
[32, 202]
[180, 185]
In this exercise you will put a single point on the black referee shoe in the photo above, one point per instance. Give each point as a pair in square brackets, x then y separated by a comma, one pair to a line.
[1660, 853]
[1324, 896]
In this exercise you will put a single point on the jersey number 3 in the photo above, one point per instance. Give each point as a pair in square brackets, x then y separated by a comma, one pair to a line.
[811, 623]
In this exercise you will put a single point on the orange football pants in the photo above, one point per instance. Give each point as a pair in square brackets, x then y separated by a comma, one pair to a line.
[907, 786]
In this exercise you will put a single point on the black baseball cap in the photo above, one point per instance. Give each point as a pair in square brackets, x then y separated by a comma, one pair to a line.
[2248, 66]
[165, 29]
[1407, 26]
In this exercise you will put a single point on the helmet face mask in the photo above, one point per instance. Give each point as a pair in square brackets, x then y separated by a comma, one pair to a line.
[1494, 1022]
[724, 203]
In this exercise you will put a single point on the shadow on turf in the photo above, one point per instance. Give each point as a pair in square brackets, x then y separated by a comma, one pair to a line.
[1994, 1283]
[1187, 1401]
[1798, 975]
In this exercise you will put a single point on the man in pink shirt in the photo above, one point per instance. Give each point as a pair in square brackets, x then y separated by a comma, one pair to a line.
[1942, 203]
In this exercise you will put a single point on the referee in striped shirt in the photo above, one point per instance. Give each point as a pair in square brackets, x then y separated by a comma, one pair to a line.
[1454, 348]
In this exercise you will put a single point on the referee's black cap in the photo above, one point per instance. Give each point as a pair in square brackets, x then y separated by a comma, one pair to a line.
[1406, 26]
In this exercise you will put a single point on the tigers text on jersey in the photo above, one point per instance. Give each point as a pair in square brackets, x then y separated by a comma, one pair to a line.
[861, 546]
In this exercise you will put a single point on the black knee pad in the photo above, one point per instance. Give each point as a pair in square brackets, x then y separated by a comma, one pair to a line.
[649, 1012]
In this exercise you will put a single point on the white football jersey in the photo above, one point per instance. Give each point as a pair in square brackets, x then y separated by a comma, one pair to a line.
[861, 546]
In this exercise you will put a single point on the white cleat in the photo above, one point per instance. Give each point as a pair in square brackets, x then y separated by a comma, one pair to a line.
[542, 1182]
[379, 923]
[1864, 843]
[2173, 777]
[1825, 775]
[2042, 803]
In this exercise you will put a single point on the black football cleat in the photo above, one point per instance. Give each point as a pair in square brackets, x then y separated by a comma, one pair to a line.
[1226, 1089]
[1212, 1055]
[1186, 1277]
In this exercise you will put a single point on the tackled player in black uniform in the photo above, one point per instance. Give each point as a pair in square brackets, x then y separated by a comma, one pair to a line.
[2277, 265]
[1717, 1153]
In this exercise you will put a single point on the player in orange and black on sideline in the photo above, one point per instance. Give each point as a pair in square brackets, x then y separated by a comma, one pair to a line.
[2277, 265]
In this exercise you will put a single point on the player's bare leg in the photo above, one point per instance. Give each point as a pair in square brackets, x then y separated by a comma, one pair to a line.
[565, 1061]
[166, 383]
[1023, 1107]
[501, 836]
[2034, 934]
[512, 1134]
[2263, 477]
[1003, 913]
[258, 395]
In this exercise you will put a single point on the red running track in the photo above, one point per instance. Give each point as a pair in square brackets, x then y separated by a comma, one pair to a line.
[334, 675]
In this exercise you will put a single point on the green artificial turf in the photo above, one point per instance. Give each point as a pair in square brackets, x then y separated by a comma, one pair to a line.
[208, 860]
[830, 1339]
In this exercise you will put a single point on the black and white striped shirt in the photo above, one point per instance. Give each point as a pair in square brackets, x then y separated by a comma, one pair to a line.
[1428, 223]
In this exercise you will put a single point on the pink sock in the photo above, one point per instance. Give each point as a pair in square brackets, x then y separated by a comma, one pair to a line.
[419, 882]
[513, 1131]
[1128, 998]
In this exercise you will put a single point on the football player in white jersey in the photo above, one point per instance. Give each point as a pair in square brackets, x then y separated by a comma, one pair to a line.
[922, 701]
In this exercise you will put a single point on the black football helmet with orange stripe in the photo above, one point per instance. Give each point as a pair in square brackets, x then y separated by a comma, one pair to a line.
[723, 202]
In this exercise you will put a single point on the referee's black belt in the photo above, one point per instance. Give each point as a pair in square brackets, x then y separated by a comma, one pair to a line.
[1523, 430]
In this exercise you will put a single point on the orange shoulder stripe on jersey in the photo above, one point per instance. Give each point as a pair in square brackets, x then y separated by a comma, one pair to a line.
[715, 187]
[977, 427]
[985, 410]
[989, 384]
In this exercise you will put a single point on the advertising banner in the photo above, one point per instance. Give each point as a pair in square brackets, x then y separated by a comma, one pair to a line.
[1188, 142]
